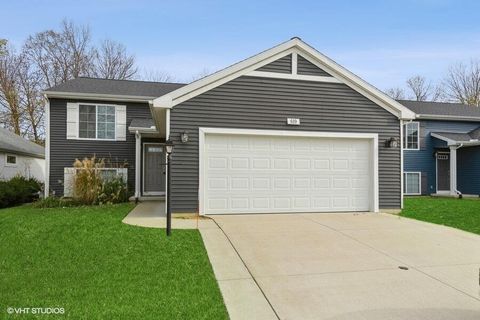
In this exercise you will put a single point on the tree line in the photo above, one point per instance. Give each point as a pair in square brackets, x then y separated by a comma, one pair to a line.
[460, 84]
[49, 58]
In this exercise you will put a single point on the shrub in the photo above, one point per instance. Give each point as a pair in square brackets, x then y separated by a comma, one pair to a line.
[114, 190]
[18, 190]
[56, 202]
[95, 185]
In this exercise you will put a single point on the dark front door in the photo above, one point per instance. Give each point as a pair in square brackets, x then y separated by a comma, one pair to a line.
[443, 171]
[153, 169]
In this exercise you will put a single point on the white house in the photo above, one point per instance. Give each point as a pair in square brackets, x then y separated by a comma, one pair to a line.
[20, 157]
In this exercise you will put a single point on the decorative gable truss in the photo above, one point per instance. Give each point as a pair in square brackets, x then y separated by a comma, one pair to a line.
[296, 67]
[293, 59]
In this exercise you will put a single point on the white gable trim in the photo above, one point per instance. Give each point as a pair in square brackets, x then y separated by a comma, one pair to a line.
[292, 46]
[290, 76]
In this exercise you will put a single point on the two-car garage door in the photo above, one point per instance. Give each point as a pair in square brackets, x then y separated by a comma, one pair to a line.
[261, 173]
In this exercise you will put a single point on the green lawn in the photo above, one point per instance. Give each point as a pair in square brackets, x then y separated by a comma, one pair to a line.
[458, 213]
[88, 262]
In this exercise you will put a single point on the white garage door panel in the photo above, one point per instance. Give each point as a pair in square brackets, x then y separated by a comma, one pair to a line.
[249, 173]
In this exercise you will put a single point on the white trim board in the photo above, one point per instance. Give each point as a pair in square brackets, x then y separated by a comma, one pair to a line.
[314, 134]
[294, 45]
[288, 76]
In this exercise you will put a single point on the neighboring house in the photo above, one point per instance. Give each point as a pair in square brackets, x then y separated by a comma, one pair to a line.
[287, 130]
[442, 149]
[20, 157]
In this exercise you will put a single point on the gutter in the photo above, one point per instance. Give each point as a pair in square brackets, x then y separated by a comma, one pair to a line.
[444, 117]
[96, 96]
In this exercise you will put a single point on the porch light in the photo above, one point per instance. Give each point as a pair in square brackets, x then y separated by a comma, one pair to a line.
[169, 146]
[392, 143]
[184, 137]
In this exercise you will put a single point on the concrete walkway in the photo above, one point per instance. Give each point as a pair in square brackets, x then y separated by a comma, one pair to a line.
[151, 214]
[344, 266]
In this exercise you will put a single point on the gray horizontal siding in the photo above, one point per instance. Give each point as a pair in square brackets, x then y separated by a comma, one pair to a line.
[63, 152]
[282, 65]
[263, 103]
[305, 67]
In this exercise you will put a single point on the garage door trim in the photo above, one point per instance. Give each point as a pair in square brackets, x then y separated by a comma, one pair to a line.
[373, 137]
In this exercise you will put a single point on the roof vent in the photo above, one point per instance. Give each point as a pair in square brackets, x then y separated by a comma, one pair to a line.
[298, 38]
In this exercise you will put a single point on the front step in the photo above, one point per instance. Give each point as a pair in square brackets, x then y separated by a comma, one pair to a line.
[148, 198]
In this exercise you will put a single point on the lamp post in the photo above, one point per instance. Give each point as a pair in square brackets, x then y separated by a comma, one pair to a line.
[169, 150]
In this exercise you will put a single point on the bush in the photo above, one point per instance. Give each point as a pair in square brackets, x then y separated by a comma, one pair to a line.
[114, 190]
[18, 190]
[55, 202]
[94, 185]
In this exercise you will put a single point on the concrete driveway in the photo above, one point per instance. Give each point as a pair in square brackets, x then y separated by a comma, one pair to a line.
[344, 266]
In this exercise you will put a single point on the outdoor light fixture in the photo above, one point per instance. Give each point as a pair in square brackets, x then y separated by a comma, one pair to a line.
[184, 137]
[169, 146]
[169, 150]
[393, 143]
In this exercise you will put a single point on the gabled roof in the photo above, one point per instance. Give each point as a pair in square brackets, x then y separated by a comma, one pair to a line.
[12, 143]
[442, 110]
[125, 90]
[457, 138]
[295, 45]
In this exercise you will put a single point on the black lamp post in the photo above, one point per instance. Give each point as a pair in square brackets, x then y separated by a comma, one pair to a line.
[169, 150]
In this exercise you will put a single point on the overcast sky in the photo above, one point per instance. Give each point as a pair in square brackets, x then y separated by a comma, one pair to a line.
[383, 42]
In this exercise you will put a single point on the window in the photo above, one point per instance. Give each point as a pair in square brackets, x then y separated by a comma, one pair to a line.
[411, 183]
[96, 121]
[411, 141]
[11, 160]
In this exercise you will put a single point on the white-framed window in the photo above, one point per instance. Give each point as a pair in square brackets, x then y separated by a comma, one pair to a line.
[96, 121]
[412, 182]
[10, 160]
[411, 136]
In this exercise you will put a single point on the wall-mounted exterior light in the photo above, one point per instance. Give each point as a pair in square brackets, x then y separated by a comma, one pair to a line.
[184, 137]
[393, 143]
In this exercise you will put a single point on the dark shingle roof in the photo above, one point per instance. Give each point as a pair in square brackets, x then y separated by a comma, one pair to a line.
[116, 87]
[441, 108]
[142, 123]
[461, 137]
[10, 142]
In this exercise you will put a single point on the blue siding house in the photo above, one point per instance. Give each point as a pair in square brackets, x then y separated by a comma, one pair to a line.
[441, 149]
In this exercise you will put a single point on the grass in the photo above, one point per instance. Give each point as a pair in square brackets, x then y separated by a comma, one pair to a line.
[88, 262]
[463, 214]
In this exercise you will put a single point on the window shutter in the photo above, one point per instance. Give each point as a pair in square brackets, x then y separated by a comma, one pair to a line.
[68, 181]
[72, 120]
[121, 123]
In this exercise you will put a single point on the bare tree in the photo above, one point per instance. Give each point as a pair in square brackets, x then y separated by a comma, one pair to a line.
[420, 87]
[154, 75]
[3, 46]
[113, 62]
[463, 83]
[202, 74]
[396, 93]
[33, 105]
[11, 112]
[62, 55]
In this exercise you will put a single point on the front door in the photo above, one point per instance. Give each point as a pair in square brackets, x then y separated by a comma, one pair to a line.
[443, 172]
[153, 169]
